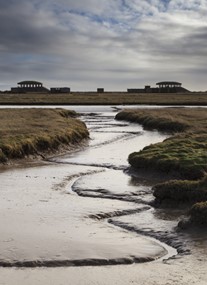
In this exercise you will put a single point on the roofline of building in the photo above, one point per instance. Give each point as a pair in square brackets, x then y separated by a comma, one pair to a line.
[29, 82]
[169, 82]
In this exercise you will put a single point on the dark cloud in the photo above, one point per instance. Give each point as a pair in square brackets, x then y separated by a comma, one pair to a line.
[25, 29]
[114, 44]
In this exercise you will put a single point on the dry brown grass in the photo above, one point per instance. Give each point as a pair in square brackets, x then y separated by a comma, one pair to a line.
[107, 98]
[30, 131]
[169, 119]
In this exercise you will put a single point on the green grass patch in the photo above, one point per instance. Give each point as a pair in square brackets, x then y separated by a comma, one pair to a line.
[184, 154]
[26, 132]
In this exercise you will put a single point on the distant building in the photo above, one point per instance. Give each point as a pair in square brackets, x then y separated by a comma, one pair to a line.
[163, 87]
[29, 86]
[169, 84]
[170, 87]
[147, 89]
[100, 90]
[60, 90]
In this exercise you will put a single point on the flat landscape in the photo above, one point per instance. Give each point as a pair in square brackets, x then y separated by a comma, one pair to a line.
[103, 142]
[106, 98]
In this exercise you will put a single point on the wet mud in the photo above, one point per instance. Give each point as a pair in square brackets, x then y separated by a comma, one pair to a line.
[87, 208]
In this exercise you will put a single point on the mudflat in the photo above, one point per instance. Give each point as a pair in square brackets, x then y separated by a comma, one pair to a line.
[44, 225]
[56, 215]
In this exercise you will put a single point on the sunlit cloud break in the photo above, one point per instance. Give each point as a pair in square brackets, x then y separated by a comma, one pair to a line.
[115, 44]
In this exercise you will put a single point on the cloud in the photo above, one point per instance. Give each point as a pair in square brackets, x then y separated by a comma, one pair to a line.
[111, 43]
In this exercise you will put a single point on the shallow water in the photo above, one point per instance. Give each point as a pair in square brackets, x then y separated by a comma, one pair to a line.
[111, 143]
[86, 208]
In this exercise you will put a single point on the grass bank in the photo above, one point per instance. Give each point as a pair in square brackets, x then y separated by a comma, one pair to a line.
[184, 154]
[198, 214]
[25, 132]
[182, 190]
[106, 98]
[160, 119]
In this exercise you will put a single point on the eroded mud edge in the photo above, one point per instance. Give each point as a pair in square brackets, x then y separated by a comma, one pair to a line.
[73, 263]
[166, 238]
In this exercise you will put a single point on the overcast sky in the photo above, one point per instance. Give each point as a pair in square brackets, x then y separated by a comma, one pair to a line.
[115, 44]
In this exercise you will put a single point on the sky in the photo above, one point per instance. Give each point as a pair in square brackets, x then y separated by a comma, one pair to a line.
[111, 44]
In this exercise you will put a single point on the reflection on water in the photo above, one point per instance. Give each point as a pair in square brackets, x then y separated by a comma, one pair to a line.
[100, 171]
[111, 143]
[110, 146]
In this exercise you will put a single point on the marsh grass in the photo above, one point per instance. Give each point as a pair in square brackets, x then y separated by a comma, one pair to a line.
[184, 154]
[26, 132]
[182, 190]
[198, 214]
[153, 120]
[106, 98]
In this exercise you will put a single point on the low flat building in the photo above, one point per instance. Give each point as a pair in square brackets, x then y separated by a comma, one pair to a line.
[100, 90]
[147, 89]
[163, 87]
[60, 90]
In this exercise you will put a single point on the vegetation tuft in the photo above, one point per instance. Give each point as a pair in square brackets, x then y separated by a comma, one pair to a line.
[25, 132]
[182, 190]
[183, 155]
[198, 214]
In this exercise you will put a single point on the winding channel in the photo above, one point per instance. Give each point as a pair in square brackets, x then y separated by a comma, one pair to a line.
[87, 208]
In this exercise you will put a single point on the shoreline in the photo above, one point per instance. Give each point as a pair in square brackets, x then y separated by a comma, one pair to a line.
[182, 104]
[43, 158]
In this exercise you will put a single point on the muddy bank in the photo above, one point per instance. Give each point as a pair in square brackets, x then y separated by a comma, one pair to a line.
[188, 272]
